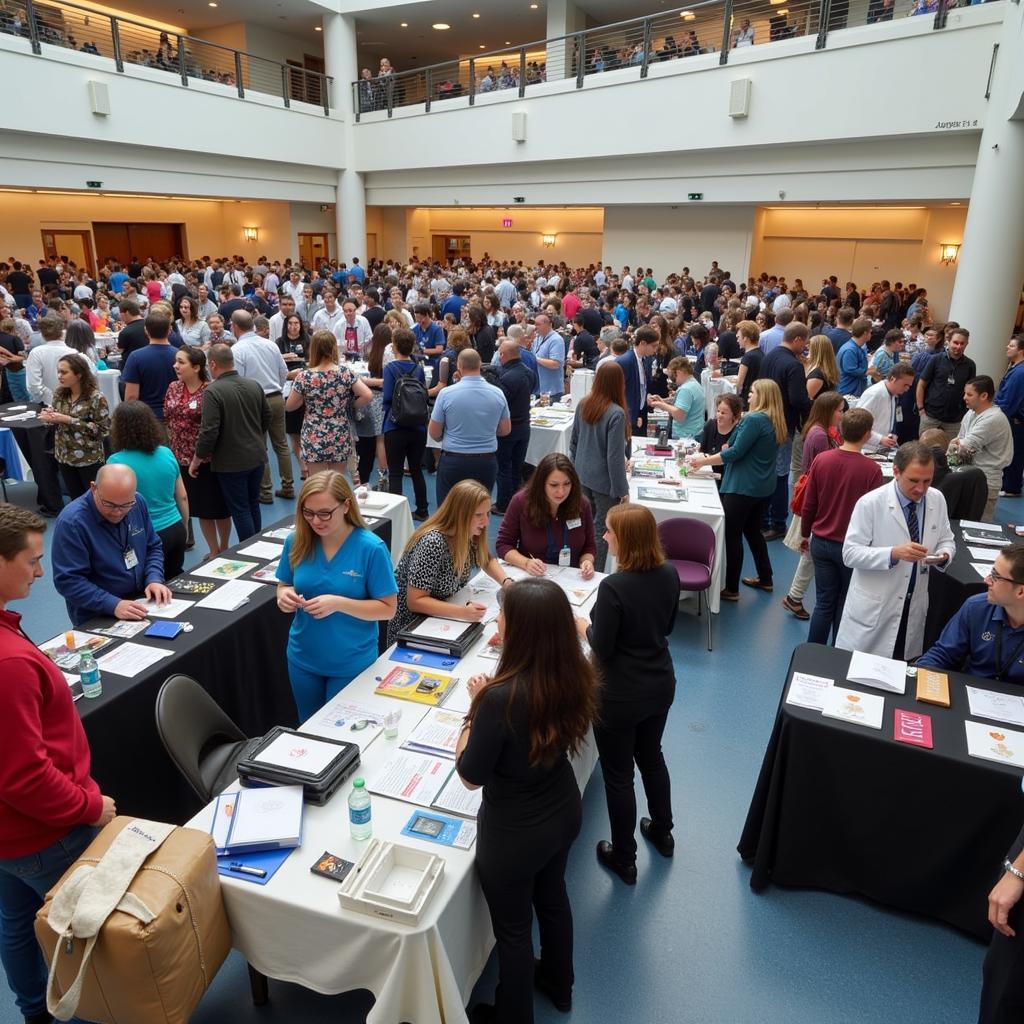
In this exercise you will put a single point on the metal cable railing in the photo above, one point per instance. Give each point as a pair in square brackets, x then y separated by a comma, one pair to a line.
[719, 27]
[127, 42]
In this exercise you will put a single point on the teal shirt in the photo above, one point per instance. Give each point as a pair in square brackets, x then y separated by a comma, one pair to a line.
[689, 398]
[338, 645]
[156, 473]
[750, 459]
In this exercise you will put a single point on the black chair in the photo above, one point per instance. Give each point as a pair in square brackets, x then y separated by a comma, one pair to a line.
[966, 492]
[3, 476]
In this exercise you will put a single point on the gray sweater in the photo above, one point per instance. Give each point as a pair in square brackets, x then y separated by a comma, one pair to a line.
[598, 451]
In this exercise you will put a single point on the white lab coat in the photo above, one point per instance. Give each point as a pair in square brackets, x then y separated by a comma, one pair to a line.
[874, 604]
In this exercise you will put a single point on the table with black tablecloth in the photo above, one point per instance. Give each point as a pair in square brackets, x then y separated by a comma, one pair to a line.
[239, 659]
[948, 590]
[32, 436]
[848, 809]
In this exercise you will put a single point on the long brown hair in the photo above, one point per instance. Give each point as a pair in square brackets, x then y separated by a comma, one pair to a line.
[822, 411]
[609, 389]
[454, 520]
[80, 367]
[636, 530]
[537, 510]
[378, 342]
[327, 481]
[542, 660]
[323, 348]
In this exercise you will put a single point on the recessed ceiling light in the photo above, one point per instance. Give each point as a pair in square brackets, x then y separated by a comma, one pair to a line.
[533, 7]
[441, 26]
[955, 204]
[508, 42]
[404, 24]
[482, 47]
[317, 28]
[476, 15]
[212, 3]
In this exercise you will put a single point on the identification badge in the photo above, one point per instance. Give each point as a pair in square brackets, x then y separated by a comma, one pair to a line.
[573, 524]
[130, 559]
[193, 404]
[899, 413]
[951, 380]
[564, 556]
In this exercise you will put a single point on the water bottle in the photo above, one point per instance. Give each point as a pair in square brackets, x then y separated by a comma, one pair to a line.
[89, 672]
[359, 822]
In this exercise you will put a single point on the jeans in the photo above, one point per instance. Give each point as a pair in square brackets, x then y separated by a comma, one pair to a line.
[599, 506]
[279, 442]
[406, 444]
[24, 882]
[776, 508]
[16, 384]
[511, 457]
[831, 582]
[742, 513]
[454, 468]
[242, 496]
[1013, 475]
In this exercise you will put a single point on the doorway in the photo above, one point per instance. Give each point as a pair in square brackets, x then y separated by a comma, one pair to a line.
[446, 248]
[70, 246]
[124, 242]
[313, 249]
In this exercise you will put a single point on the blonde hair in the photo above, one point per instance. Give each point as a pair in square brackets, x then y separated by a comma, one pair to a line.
[323, 348]
[454, 521]
[393, 316]
[765, 397]
[327, 481]
[823, 357]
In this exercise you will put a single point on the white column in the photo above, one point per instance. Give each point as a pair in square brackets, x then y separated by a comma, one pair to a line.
[340, 59]
[350, 216]
[564, 18]
[990, 267]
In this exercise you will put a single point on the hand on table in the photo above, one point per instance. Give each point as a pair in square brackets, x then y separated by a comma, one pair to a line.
[107, 814]
[535, 567]
[909, 552]
[130, 610]
[288, 600]
[159, 593]
[587, 570]
[888, 441]
[1001, 900]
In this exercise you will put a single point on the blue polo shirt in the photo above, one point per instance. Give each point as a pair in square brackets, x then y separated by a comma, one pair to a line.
[1010, 396]
[470, 411]
[552, 381]
[117, 280]
[972, 639]
[853, 368]
[88, 555]
[432, 337]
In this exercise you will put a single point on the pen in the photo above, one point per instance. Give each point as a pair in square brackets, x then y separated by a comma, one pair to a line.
[243, 870]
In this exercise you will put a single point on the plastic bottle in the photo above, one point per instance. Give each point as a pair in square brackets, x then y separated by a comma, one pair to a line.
[359, 822]
[89, 671]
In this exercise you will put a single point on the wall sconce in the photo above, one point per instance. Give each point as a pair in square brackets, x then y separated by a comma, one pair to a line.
[549, 241]
[948, 252]
[251, 234]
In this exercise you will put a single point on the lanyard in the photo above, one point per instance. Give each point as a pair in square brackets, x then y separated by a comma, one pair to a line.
[1002, 667]
[552, 551]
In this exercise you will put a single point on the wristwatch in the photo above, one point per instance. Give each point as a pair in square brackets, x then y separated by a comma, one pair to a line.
[1008, 866]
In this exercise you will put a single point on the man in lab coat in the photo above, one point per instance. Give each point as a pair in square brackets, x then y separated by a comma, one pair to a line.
[898, 534]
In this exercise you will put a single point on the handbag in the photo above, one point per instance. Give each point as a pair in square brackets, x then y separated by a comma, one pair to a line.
[796, 505]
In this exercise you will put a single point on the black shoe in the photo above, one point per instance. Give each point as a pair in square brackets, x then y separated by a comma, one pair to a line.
[560, 1001]
[773, 534]
[39, 1018]
[48, 513]
[661, 841]
[495, 511]
[421, 517]
[606, 856]
[482, 1013]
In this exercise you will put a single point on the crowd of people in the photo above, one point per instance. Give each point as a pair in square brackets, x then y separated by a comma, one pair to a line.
[361, 366]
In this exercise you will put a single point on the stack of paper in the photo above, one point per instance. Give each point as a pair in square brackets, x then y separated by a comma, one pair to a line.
[851, 706]
[881, 673]
[437, 733]
[995, 744]
[262, 549]
[171, 610]
[346, 720]
[807, 691]
[1002, 707]
[223, 568]
[231, 596]
[130, 659]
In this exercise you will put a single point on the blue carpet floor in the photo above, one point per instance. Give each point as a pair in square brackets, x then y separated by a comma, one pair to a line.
[690, 943]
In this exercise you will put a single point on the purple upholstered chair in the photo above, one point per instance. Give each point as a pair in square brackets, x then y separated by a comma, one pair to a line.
[690, 546]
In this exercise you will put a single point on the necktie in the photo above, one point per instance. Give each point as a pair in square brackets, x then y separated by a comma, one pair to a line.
[912, 524]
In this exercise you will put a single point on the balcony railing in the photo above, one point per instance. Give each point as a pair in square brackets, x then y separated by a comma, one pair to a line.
[719, 27]
[47, 23]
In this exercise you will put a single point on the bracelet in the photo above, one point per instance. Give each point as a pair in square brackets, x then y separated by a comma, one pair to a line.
[507, 579]
[1008, 866]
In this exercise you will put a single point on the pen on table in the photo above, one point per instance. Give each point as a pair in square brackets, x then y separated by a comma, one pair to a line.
[243, 870]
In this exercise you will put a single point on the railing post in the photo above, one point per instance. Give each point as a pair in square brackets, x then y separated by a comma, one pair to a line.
[824, 13]
[182, 69]
[355, 101]
[238, 75]
[726, 33]
[429, 76]
[33, 26]
[646, 63]
[472, 81]
[941, 13]
[389, 85]
[581, 58]
[522, 71]
[325, 85]
[285, 91]
[115, 38]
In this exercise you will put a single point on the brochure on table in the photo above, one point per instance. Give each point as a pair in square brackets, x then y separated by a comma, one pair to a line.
[223, 568]
[130, 659]
[436, 734]
[807, 691]
[1001, 707]
[436, 828]
[881, 673]
[231, 596]
[851, 706]
[67, 655]
[426, 781]
[993, 743]
[347, 720]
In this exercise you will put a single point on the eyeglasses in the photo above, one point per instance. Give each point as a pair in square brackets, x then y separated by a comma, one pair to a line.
[996, 578]
[322, 515]
[112, 506]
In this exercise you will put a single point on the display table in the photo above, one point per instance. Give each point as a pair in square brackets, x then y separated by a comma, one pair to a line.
[31, 437]
[237, 657]
[108, 381]
[294, 929]
[848, 809]
[11, 454]
[580, 384]
[395, 509]
[550, 431]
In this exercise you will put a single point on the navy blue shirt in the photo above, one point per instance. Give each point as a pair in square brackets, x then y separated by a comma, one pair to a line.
[453, 304]
[979, 640]
[152, 368]
[395, 369]
[839, 336]
[88, 555]
[518, 383]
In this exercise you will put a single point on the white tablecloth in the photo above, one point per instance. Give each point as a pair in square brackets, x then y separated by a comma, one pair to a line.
[544, 440]
[294, 929]
[580, 384]
[396, 508]
[108, 381]
[714, 387]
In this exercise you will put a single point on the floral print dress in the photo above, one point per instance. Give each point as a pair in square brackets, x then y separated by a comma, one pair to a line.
[80, 443]
[326, 430]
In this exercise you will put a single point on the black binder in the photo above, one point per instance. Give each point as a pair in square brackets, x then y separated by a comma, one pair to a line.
[457, 645]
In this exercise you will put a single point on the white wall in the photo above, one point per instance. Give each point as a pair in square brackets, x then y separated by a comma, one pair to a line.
[281, 46]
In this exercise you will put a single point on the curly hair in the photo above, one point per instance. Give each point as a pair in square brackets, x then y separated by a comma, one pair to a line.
[133, 427]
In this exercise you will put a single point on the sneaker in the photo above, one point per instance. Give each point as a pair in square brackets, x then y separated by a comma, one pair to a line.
[285, 492]
[796, 607]
[266, 501]
[774, 533]
[1009, 494]
[421, 517]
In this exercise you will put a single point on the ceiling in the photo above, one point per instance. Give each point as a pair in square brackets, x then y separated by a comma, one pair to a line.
[296, 17]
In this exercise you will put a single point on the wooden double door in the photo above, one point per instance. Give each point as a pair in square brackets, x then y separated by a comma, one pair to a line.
[122, 241]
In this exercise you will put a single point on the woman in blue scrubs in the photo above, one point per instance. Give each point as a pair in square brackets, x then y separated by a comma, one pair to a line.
[336, 576]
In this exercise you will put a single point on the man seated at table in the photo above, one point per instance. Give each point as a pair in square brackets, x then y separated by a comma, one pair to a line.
[986, 636]
[106, 552]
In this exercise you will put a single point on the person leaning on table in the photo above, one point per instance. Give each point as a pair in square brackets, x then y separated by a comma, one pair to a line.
[549, 522]
[442, 555]
[50, 805]
[523, 724]
[335, 575]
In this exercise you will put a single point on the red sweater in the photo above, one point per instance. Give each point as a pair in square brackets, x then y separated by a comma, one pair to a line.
[836, 482]
[45, 786]
[519, 534]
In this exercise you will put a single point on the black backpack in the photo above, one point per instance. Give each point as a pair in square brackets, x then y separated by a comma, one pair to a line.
[491, 374]
[409, 401]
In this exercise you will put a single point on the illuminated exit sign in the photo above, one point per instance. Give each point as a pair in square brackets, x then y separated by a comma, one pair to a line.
[506, 222]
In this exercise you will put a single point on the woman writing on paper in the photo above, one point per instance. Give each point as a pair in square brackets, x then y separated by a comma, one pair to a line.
[336, 576]
[442, 555]
[549, 521]
[522, 726]
[633, 617]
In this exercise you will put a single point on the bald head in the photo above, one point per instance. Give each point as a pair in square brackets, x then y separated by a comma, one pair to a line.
[508, 350]
[469, 361]
[113, 491]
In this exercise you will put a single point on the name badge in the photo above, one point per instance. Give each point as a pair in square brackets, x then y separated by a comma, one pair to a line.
[951, 380]
[564, 556]
[193, 404]
[130, 559]
[899, 413]
[573, 524]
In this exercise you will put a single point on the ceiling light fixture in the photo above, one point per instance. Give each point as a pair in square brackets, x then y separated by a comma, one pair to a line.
[441, 26]
[476, 15]
[404, 24]
[317, 28]
[212, 3]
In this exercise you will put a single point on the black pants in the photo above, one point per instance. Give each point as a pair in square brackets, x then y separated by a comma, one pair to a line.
[173, 539]
[366, 449]
[511, 457]
[743, 519]
[1002, 988]
[77, 478]
[628, 734]
[406, 444]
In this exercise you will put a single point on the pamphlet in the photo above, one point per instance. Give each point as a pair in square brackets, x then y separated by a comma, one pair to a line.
[282, 533]
[268, 574]
[435, 828]
[807, 691]
[851, 706]
[576, 588]
[413, 684]
[171, 610]
[992, 540]
[457, 799]
[437, 733]
[675, 495]
[881, 673]
[913, 727]
[130, 659]
[223, 568]
[67, 655]
[491, 649]
[411, 777]
[346, 720]
[458, 699]
[983, 554]
[992, 743]
[231, 596]
[261, 549]
[1002, 707]
[124, 629]
[973, 524]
